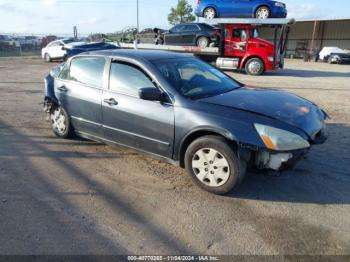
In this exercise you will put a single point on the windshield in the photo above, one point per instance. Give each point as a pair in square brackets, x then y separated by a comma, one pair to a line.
[195, 79]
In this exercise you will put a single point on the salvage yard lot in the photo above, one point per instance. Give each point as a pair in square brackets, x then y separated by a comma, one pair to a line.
[80, 197]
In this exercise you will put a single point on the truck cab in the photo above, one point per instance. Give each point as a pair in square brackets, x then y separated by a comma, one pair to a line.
[241, 48]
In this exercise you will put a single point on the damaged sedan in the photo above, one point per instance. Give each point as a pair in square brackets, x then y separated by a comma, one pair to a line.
[183, 110]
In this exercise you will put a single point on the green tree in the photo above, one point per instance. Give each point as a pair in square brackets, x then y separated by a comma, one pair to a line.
[181, 14]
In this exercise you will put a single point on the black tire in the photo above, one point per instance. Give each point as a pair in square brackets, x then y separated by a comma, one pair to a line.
[201, 42]
[212, 10]
[264, 9]
[47, 58]
[237, 167]
[66, 132]
[330, 60]
[255, 66]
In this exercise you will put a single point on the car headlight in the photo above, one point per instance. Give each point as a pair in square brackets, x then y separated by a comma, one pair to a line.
[271, 59]
[278, 4]
[280, 140]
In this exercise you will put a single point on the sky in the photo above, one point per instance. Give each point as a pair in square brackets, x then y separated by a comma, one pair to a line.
[105, 16]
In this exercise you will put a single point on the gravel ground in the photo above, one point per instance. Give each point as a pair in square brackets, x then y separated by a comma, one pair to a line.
[80, 197]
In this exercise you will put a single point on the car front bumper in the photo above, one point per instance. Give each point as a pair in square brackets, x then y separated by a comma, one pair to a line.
[282, 161]
[279, 12]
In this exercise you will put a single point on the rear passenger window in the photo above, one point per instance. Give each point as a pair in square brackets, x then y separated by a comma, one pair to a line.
[191, 28]
[128, 79]
[87, 70]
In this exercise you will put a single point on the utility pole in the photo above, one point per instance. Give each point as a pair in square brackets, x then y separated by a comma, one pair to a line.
[137, 14]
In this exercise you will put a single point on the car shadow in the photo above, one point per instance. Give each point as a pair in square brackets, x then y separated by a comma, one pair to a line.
[306, 73]
[322, 178]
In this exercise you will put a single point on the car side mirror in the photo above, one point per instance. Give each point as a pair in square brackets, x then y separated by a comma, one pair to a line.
[63, 48]
[150, 94]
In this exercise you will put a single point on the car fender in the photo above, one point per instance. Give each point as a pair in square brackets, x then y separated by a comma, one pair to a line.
[195, 134]
[258, 5]
[249, 56]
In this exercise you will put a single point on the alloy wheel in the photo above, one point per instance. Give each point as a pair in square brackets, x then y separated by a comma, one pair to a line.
[263, 13]
[254, 67]
[209, 13]
[59, 121]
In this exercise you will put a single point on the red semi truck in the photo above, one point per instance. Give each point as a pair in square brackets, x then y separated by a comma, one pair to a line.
[239, 47]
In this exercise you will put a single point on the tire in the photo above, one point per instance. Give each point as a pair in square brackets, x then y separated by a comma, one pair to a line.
[47, 58]
[263, 12]
[207, 173]
[255, 67]
[209, 13]
[202, 42]
[61, 125]
[330, 60]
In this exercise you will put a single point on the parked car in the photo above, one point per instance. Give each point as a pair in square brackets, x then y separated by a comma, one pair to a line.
[183, 110]
[48, 39]
[57, 50]
[192, 34]
[260, 9]
[334, 55]
[8, 43]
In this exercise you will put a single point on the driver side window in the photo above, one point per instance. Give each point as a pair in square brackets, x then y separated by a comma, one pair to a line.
[128, 79]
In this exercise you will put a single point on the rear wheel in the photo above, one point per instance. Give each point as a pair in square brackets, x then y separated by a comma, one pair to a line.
[213, 165]
[262, 12]
[209, 13]
[255, 67]
[60, 121]
[47, 58]
[202, 42]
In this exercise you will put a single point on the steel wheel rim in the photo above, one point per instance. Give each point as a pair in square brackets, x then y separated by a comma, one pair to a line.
[211, 167]
[59, 121]
[263, 13]
[209, 13]
[202, 42]
[254, 67]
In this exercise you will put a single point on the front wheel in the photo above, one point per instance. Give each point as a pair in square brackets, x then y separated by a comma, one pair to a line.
[209, 13]
[255, 67]
[262, 12]
[213, 165]
[60, 121]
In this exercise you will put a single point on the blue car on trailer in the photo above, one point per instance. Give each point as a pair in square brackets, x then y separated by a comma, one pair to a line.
[261, 9]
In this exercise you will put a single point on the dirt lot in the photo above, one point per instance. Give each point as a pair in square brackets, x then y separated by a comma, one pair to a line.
[80, 197]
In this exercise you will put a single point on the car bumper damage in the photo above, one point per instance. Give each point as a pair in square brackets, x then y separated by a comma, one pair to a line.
[284, 161]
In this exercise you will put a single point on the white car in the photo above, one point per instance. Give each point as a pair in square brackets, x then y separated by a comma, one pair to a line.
[326, 52]
[56, 49]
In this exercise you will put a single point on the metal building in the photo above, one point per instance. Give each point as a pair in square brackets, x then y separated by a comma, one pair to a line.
[312, 35]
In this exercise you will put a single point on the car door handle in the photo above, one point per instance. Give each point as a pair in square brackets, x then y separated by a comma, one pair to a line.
[111, 102]
[62, 89]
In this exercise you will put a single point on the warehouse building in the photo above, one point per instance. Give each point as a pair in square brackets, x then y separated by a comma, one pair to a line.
[307, 35]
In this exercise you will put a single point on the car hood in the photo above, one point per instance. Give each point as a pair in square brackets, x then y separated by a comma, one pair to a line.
[279, 105]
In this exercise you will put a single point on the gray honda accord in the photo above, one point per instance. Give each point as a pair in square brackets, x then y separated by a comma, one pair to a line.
[183, 110]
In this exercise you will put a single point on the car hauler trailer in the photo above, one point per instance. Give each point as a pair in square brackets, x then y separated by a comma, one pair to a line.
[239, 47]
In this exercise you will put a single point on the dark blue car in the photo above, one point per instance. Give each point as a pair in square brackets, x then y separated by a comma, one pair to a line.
[76, 50]
[182, 110]
[261, 9]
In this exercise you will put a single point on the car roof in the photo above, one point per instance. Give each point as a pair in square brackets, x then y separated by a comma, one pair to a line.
[149, 55]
